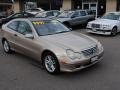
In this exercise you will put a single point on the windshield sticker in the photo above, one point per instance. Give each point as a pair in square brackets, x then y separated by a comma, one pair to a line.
[38, 23]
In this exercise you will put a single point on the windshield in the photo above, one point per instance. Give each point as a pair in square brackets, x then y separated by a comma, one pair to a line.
[112, 16]
[65, 14]
[42, 15]
[49, 27]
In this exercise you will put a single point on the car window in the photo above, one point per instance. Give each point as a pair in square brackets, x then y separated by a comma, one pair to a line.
[35, 10]
[76, 14]
[55, 13]
[28, 15]
[65, 14]
[24, 28]
[90, 12]
[49, 13]
[82, 13]
[13, 25]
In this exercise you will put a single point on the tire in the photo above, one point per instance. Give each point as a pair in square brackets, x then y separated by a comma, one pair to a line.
[114, 31]
[51, 63]
[67, 24]
[6, 46]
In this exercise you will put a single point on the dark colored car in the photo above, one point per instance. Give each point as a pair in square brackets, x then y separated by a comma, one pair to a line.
[75, 17]
[16, 15]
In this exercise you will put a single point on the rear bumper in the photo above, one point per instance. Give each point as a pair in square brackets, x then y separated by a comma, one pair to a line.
[99, 31]
[80, 65]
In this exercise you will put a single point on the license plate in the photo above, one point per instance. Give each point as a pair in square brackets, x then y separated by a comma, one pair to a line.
[93, 59]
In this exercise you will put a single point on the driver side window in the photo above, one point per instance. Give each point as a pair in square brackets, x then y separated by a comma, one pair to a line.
[76, 14]
[24, 28]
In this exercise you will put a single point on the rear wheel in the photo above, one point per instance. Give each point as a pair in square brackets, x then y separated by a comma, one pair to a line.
[114, 31]
[50, 63]
[6, 46]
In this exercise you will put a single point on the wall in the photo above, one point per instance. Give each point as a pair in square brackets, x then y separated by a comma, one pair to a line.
[111, 5]
[66, 5]
[16, 6]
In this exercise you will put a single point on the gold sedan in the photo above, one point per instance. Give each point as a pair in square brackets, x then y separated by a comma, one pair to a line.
[53, 44]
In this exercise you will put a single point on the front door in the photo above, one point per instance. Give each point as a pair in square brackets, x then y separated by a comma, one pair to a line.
[26, 45]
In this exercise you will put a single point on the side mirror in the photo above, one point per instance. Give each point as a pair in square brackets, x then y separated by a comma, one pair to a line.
[30, 36]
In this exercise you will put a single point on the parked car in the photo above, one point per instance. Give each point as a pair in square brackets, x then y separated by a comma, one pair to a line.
[16, 15]
[48, 14]
[109, 24]
[1, 16]
[91, 14]
[34, 10]
[74, 17]
[53, 44]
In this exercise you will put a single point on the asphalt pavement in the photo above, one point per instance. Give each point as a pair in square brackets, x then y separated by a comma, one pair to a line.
[18, 72]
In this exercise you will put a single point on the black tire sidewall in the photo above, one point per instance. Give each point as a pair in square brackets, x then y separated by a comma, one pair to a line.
[9, 51]
[57, 66]
[114, 30]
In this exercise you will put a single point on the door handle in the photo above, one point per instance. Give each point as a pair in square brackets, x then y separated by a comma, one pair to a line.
[15, 35]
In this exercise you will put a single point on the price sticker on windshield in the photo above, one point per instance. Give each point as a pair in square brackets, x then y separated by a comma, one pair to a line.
[38, 22]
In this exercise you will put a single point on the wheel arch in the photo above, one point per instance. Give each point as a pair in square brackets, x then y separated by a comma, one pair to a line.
[3, 39]
[115, 27]
[47, 51]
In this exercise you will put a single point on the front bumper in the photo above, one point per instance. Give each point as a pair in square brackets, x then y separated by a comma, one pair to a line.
[99, 31]
[80, 65]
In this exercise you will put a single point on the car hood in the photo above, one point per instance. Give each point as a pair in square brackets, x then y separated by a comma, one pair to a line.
[104, 21]
[71, 40]
[63, 19]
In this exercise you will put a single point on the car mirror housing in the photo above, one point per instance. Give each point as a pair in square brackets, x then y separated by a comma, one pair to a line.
[30, 36]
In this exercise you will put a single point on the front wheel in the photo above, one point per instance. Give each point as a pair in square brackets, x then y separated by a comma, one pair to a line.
[50, 63]
[114, 31]
[6, 46]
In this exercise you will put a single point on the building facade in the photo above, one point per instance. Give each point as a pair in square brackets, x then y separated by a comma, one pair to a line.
[99, 6]
[44, 4]
[6, 7]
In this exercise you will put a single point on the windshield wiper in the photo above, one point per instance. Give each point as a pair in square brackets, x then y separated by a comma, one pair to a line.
[62, 32]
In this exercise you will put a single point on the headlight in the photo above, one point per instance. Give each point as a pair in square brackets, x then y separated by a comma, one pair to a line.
[105, 26]
[100, 47]
[73, 55]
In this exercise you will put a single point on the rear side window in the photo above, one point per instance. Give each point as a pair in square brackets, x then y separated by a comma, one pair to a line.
[82, 13]
[76, 14]
[49, 14]
[90, 12]
[13, 25]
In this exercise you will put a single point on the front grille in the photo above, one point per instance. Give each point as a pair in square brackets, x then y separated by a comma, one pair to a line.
[90, 51]
[95, 25]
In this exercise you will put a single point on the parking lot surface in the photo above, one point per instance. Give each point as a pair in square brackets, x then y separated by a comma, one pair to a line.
[18, 72]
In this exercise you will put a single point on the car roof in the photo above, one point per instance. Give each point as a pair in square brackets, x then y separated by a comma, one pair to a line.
[34, 19]
[114, 12]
